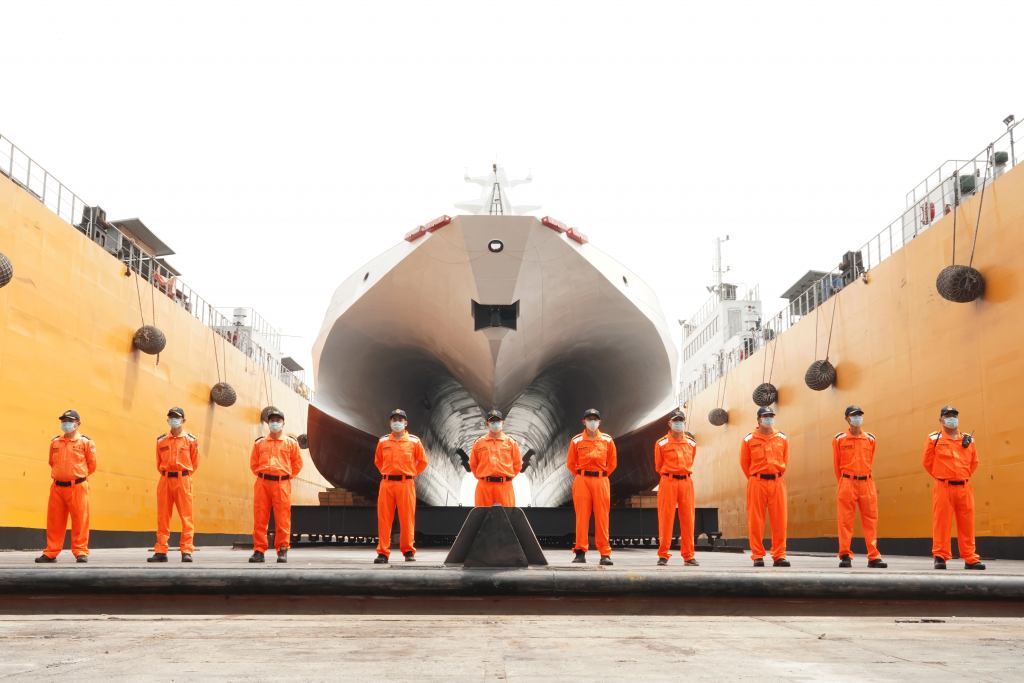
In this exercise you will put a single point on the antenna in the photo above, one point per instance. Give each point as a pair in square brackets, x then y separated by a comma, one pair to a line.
[716, 265]
[496, 207]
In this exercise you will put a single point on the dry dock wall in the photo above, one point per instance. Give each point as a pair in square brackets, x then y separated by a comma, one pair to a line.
[66, 325]
[901, 352]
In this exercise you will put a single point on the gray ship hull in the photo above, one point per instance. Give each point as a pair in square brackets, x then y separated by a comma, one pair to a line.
[402, 332]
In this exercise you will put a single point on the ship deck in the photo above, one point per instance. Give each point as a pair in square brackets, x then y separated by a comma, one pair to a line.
[331, 580]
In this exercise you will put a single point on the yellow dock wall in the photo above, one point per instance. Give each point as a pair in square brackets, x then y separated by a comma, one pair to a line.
[901, 352]
[66, 325]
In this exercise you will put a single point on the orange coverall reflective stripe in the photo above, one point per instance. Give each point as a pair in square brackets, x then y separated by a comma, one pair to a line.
[592, 494]
[675, 456]
[946, 459]
[495, 455]
[761, 454]
[276, 457]
[407, 458]
[175, 454]
[854, 455]
[69, 459]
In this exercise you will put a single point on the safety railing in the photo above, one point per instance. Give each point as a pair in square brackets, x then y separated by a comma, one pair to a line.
[932, 199]
[29, 175]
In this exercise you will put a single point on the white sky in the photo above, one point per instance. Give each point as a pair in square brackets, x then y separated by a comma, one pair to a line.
[278, 146]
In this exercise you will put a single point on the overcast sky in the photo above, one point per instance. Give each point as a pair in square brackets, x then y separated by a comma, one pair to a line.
[276, 147]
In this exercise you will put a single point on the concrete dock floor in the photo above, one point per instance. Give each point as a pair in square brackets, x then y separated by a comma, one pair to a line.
[459, 648]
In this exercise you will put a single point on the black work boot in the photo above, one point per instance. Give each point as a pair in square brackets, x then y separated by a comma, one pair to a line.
[257, 556]
[186, 557]
[410, 556]
[845, 562]
[692, 562]
[662, 561]
[46, 559]
[282, 555]
[82, 559]
[381, 559]
[783, 562]
[940, 563]
[158, 557]
[606, 560]
[581, 556]
[877, 564]
[759, 562]
[976, 565]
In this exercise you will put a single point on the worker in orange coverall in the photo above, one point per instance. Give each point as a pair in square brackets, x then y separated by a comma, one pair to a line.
[275, 460]
[951, 458]
[177, 458]
[764, 456]
[72, 462]
[673, 460]
[592, 459]
[853, 451]
[400, 458]
[495, 462]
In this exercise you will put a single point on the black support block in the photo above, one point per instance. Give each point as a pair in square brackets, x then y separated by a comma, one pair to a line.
[496, 537]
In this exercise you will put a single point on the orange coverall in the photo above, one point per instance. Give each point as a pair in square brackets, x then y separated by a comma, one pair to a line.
[760, 457]
[394, 458]
[673, 460]
[72, 461]
[274, 461]
[852, 457]
[495, 457]
[175, 455]
[948, 461]
[592, 493]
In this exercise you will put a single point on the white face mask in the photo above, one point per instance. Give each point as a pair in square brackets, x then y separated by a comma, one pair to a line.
[398, 426]
[67, 427]
[768, 421]
[174, 422]
[592, 424]
[495, 426]
[276, 426]
[951, 422]
[856, 420]
[678, 426]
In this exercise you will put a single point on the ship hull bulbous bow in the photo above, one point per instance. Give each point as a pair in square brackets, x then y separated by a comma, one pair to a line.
[489, 312]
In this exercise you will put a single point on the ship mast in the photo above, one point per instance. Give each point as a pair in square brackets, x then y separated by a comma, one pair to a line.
[716, 266]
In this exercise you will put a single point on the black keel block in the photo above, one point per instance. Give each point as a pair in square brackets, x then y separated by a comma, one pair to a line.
[496, 537]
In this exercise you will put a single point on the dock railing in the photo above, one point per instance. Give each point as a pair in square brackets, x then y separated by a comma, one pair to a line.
[933, 198]
[23, 171]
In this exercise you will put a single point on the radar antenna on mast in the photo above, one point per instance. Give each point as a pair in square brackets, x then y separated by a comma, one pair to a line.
[496, 207]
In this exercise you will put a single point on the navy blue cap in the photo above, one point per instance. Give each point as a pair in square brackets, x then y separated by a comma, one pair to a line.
[494, 415]
[274, 412]
[946, 410]
[767, 410]
[400, 413]
[592, 413]
[178, 412]
[70, 415]
[676, 415]
[853, 410]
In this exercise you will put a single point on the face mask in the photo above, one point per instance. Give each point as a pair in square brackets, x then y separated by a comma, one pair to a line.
[67, 427]
[768, 421]
[174, 422]
[856, 420]
[592, 424]
[495, 426]
[276, 426]
[398, 426]
[951, 422]
[678, 426]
